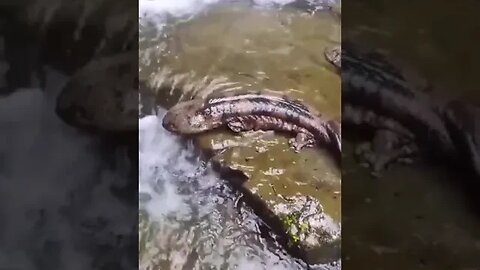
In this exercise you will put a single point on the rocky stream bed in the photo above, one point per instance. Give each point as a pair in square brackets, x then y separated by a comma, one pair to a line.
[196, 214]
[237, 47]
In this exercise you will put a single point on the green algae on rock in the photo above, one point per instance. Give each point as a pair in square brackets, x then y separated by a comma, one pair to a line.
[233, 48]
[310, 228]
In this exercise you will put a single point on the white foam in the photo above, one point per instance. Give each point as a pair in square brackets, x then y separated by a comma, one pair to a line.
[172, 7]
[51, 174]
[156, 10]
[165, 167]
[199, 212]
[217, 233]
[157, 152]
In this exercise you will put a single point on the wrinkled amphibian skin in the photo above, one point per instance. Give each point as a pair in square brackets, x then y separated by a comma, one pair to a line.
[370, 81]
[391, 143]
[248, 112]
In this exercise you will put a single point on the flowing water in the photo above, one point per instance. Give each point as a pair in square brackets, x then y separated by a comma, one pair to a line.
[67, 213]
[190, 218]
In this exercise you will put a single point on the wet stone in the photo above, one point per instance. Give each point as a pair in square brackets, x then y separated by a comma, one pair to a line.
[233, 48]
[304, 219]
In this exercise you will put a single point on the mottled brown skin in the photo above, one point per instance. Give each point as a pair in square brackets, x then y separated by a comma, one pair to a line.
[392, 142]
[404, 115]
[249, 112]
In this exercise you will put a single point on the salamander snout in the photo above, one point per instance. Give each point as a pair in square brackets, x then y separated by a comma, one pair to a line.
[186, 118]
[168, 122]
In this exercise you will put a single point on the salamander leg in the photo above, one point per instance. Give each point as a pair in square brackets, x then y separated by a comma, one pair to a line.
[237, 126]
[301, 141]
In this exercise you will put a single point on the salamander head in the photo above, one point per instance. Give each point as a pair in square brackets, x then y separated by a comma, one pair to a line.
[188, 118]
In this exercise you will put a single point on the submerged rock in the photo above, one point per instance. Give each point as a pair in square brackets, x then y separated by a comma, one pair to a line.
[235, 48]
[308, 225]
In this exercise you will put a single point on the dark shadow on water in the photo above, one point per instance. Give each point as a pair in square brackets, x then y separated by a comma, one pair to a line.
[443, 236]
[30, 46]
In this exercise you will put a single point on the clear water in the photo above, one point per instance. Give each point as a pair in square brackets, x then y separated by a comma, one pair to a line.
[190, 218]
